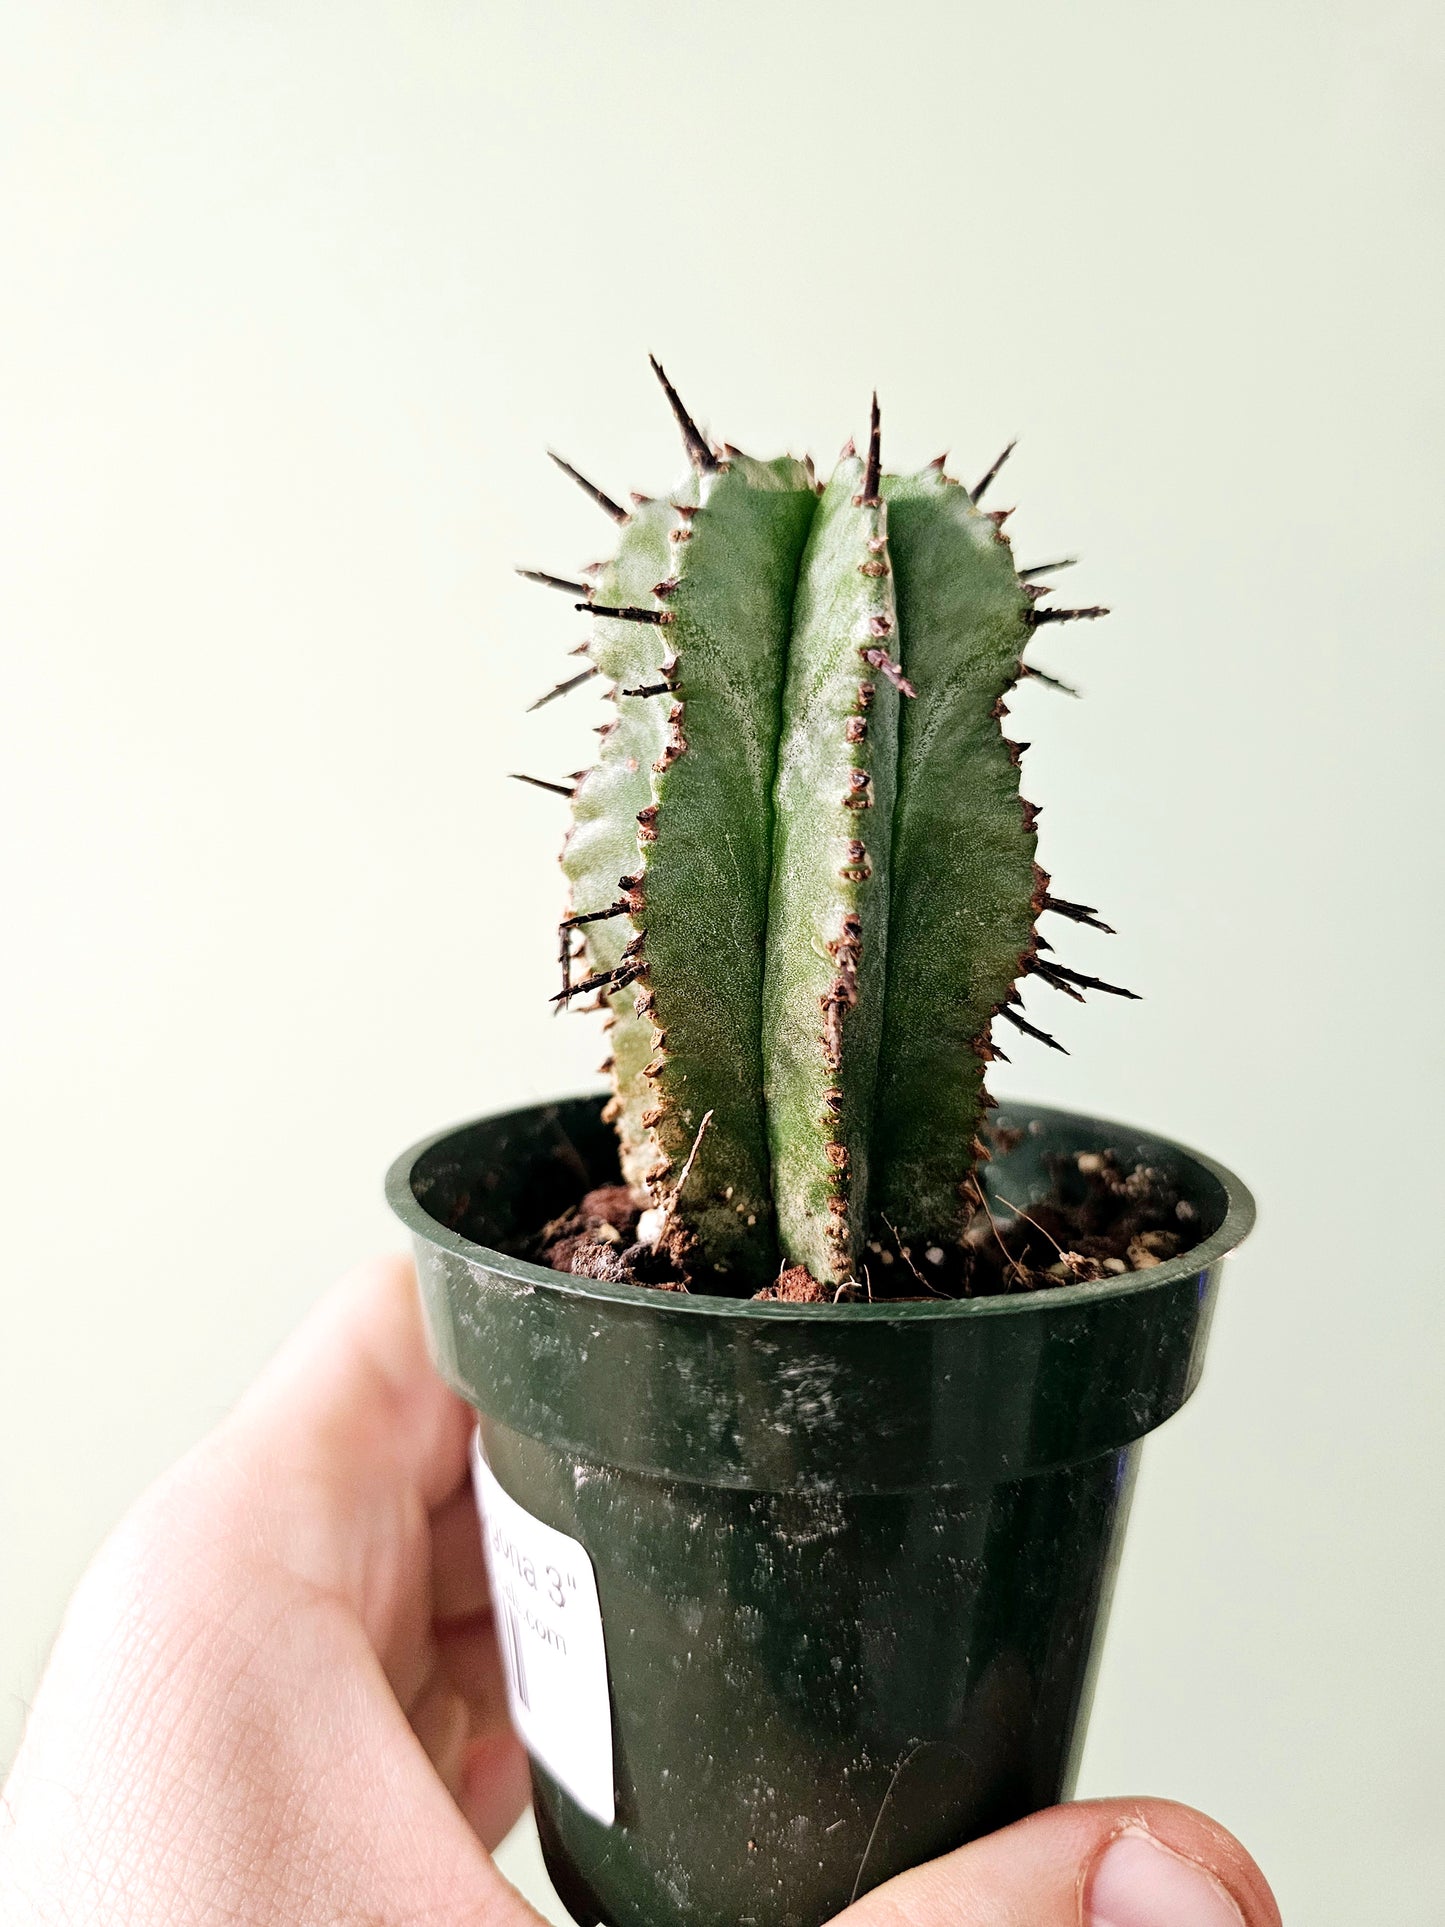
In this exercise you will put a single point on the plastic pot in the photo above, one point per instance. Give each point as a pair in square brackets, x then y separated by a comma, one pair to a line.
[852, 1562]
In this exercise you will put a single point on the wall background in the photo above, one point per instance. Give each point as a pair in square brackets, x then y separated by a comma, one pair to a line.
[295, 298]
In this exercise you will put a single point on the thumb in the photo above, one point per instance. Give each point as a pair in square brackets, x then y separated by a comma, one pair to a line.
[1097, 1863]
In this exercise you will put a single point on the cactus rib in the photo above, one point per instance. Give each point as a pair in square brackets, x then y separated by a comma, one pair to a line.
[705, 846]
[828, 917]
[965, 892]
[600, 854]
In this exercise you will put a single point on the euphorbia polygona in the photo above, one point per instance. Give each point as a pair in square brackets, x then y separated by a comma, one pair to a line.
[802, 870]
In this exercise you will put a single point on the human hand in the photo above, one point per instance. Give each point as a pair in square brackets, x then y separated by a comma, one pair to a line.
[276, 1697]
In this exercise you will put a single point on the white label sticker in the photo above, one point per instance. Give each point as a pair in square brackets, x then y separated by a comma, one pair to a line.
[549, 1628]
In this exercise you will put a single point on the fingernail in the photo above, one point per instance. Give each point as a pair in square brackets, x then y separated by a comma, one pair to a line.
[1136, 1882]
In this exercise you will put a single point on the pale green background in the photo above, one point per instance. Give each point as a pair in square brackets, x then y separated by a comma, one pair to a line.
[293, 298]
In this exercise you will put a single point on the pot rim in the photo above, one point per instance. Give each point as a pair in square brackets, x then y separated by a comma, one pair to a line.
[1233, 1228]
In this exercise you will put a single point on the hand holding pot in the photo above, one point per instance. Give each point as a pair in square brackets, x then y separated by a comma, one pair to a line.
[277, 1696]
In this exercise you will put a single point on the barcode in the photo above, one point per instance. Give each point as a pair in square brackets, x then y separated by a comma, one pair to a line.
[512, 1647]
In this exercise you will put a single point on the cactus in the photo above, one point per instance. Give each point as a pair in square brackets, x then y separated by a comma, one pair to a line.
[801, 871]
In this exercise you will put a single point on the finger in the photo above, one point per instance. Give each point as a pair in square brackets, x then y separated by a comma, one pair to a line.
[355, 1385]
[459, 1567]
[463, 1628]
[496, 1785]
[341, 1450]
[493, 1786]
[469, 1662]
[443, 1725]
[1102, 1863]
[459, 1642]
[460, 1718]
[460, 1622]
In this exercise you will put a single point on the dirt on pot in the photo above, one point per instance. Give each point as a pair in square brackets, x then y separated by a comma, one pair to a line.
[1101, 1220]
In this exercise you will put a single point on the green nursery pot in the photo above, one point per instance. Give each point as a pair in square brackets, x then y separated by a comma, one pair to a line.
[852, 1562]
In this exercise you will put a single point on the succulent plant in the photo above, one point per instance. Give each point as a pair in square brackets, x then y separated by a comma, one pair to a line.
[802, 873]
